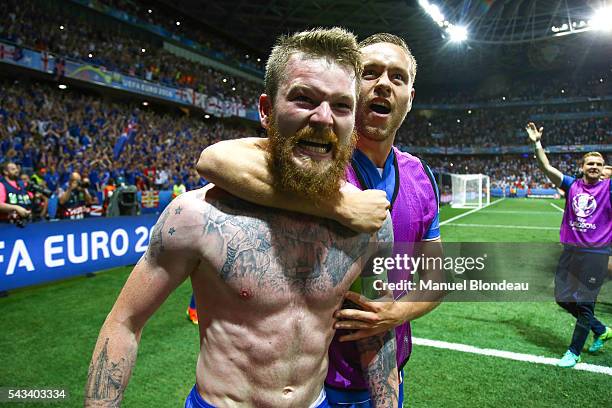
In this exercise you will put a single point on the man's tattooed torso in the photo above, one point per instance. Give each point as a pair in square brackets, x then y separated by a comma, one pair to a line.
[277, 252]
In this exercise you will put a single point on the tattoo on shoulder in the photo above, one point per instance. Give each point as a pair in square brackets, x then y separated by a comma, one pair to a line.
[156, 242]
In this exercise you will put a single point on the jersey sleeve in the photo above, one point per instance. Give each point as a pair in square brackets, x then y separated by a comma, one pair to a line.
[566, 183]
[2, 193]
[433, 232]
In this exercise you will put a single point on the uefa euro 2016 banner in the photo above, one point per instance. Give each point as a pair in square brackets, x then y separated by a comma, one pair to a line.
[49, 251]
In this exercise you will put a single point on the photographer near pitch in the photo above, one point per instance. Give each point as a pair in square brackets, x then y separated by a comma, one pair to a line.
[15, 201]
[75, 199]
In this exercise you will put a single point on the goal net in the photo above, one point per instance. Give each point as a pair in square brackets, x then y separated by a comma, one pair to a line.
[470, 190]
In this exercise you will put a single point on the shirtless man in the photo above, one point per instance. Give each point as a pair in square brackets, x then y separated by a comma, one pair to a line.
[392, 177]
[269, 281]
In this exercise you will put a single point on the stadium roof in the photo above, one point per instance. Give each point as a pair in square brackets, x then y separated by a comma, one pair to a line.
[512, 36]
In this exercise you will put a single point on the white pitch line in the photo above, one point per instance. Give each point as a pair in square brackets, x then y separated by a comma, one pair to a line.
[470, 212]
[521, 212]
[557, 207]
[509, 355]
[504, 226]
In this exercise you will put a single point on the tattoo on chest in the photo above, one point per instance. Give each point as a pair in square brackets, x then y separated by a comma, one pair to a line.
[280, 250]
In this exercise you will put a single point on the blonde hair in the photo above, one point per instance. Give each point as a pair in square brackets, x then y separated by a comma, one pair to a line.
[337, 44]
[392, 39]
[592, 154]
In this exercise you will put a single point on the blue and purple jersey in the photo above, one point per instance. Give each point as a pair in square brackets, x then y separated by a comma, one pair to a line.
[413, 194]
[587, 216]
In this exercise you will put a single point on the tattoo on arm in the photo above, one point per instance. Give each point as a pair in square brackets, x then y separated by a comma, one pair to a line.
[156, 242]
[379, 364]
[107, 379]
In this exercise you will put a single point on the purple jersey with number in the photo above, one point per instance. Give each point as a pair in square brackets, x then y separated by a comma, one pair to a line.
[414, 210]
[586, 219]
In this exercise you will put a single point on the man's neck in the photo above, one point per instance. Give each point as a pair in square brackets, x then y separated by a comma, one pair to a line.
[590, 181]
[376, 151]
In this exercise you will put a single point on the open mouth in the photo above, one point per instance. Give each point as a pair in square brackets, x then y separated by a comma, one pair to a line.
[380, 109]
[315, 145]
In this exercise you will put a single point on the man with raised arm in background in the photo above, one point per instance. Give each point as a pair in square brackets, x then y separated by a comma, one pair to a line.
[586, 235]
[386, 94]
[270, 281]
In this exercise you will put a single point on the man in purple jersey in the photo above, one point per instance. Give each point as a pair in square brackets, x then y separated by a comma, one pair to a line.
[241, 167]
[586, 234]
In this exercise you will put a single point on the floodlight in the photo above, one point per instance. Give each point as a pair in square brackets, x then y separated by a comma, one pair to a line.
[457, 33]
[602, 19]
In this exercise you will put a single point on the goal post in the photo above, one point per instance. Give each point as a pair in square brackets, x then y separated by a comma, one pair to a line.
[470, 190]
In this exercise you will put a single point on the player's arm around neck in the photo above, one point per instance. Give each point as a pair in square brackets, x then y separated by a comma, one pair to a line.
[241, 167]
[170, 258]
[535, 135]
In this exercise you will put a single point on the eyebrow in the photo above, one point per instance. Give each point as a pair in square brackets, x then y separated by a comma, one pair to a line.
[297, 88]
[391, 68]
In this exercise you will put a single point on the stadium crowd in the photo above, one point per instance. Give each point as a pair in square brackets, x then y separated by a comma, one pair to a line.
[496, 127]
[587, 82]
[46, 26]
[52, 133]
[167, 18]
[520, 171]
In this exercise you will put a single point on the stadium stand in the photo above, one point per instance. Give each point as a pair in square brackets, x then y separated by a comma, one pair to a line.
[65, 131]
[49, 27]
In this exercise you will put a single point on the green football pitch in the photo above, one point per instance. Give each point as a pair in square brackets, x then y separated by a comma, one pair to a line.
[460, 359]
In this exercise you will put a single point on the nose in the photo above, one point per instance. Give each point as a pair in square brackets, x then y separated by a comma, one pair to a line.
[383, 86]
[322, 116]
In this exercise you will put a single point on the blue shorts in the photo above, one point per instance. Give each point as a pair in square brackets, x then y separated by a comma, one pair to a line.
[194, 400]
[580, 275]
[356, 399]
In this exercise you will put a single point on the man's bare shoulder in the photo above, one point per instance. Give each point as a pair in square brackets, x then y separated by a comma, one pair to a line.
[179, 227]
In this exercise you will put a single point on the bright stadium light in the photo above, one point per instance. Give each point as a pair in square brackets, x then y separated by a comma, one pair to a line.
[62, 86]
[433, 11]
[145, 103]
[457, 33]
[207, 116]
[602, 19]
[224, 80]
[143, 50]
[90, 55]
[178, 23]
[61, 27]
[149, 11]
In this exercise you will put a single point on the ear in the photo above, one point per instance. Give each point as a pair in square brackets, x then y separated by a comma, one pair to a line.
[265, 110]
[410, 100]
